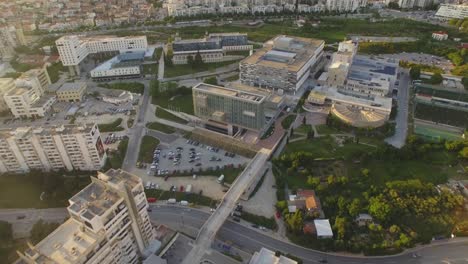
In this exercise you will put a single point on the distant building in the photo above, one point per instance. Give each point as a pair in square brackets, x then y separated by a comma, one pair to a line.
[323, 228]
[71, 92]
[408, 4]
[69, 147]
[449, 11]
[228, 109]
[122, 66]
[212, 48]
[283, 63]
[345, 5]
[10, 38]
[108, 223]
[266, 256]
[74, 49]
[6, 84]
[440, 35]
[28, 98]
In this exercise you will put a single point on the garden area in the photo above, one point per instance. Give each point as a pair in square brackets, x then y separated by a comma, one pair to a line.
[161, 127]
[115, 158]
[147, 147]
[150, 69]
[54, 71]
[185, 69]
[111, 127]
[169, 95]
[395, 186]
[133, 87]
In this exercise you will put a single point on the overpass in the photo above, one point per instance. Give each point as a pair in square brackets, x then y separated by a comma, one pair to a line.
[208, 231]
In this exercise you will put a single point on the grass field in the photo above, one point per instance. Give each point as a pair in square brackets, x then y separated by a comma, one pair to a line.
[147, 147]
[326, 130]
[185, 69]
[441, 115]
[150, 68]
[133, 87]
[160, 127]
[161, 113]
[111, 127]
[169, 95]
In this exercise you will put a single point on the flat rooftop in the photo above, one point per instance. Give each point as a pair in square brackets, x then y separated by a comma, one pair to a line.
[66, 244]
[229, 92]
[121, 61]
[379, 103]
[24, 132]
[287, 52]
[374, 65]
[68, 87]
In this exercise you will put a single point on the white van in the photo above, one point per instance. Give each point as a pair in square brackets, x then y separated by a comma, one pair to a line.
[184, 203]
[221, 178]
[171, 201]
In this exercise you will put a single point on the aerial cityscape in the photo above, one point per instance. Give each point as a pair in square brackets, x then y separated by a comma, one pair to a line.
[233, 131]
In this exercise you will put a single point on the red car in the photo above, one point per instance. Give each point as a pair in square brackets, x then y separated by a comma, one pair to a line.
[151, 200]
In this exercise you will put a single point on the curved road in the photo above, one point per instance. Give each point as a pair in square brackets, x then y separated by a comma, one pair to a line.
[252, 240]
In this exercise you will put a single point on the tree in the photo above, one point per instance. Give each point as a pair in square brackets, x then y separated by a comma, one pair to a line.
[436, 78]
[198, 61]
[354, 207]
[365, 172]
[295, 221]
[393, 5]
[379, 208]
[6, 233]
[415, 73]
[340, 226]
[313, 182]
[211, 80]
[464, 153]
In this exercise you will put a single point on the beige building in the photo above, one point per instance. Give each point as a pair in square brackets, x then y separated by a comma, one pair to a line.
[109, 223]
[6, 84]
[69, 147]
[71, 92]
[284, 62]
[265, 256]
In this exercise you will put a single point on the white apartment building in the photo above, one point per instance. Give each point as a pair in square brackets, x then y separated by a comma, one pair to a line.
[27, 98]
[267, 256]
[452, 11]
[74, 49]
[109, 223]
[408, 4]
[6, 84]
[69, 147]
[345, 5]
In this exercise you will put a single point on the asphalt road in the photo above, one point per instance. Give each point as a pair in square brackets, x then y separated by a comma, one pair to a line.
[401, 129]
[251, 240]
[135, 134]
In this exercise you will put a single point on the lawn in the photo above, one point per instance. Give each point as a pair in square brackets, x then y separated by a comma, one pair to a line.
[23, 191]
[185, 69]
[111, 127]
[54, 71]
[150, 68]
[133, 87]
[326, 130]
[169, 95]
[161, 127]
[116, 158]
[147, 147]
[287, 121]
[161, 113]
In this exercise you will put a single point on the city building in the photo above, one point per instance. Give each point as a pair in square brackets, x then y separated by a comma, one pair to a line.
[323, 228]
[211, 48]
[74, 49]
[69, 147]
[408, 4]
[440, 35]
[230, 109]
[345, 5]
[71, 92]
[10, 38]
[109, 223]
[6, 84]
[28, 98]
[449, 11]
[284, 63]
[123, 66]
[305, 200]
[266, 256]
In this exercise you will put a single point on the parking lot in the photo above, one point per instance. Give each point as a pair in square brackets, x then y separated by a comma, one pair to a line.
[187, 156]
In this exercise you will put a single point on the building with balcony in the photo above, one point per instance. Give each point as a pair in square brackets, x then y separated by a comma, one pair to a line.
[74, 49]
[283, 63]
[108, 223]
[69, 147]
[6, 84]
[211, 48]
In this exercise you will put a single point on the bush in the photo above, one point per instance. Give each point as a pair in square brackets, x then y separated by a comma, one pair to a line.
[111, 127]
[269, 223]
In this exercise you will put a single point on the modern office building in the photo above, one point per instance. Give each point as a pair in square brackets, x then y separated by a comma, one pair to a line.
[211, 48]
[265, 256]
[69, 147]
[108, 223]
[71, 92]
[283, 63]
[123, 66]
[74, 49]
[358, 87]
[28, 98]
[229, 109]
[449, 11]
[6, 84]
[345, 5]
